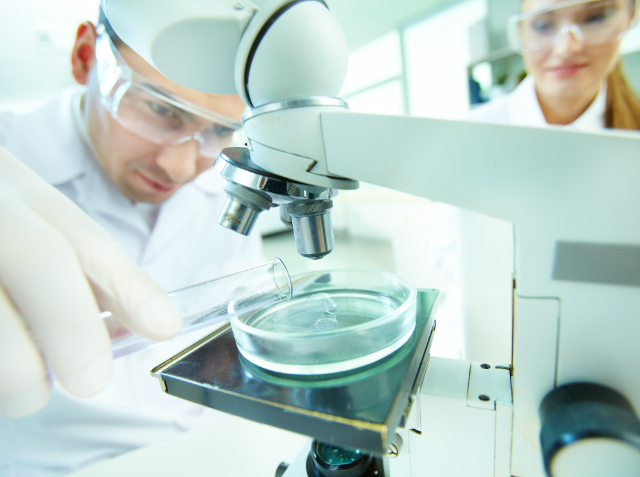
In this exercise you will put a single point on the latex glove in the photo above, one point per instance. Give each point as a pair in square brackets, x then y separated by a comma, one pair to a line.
[56, 266]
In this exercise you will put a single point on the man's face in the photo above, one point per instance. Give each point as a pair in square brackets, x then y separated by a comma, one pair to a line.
[142, 170]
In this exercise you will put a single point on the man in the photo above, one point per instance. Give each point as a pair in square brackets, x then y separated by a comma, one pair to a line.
[134, 151]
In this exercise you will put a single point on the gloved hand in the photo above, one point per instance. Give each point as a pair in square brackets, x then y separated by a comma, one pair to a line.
[57, 266]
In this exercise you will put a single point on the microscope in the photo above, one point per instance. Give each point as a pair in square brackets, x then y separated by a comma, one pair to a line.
[567, 404]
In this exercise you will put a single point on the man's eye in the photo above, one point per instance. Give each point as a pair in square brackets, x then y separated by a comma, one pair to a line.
[221, 131]
[541, 26]
[597, 17]
[161, 111]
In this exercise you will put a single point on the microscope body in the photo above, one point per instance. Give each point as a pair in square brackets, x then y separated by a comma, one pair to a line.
[574, 199]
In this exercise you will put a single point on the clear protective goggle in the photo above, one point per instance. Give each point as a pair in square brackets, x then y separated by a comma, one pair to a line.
[153, 113]
[591, 22]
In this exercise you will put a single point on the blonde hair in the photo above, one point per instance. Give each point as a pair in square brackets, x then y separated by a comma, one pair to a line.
[623, 103]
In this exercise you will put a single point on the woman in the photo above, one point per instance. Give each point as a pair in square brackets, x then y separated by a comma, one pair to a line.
[571, 51]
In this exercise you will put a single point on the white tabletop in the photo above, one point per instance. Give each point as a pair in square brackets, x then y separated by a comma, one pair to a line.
[231, 447]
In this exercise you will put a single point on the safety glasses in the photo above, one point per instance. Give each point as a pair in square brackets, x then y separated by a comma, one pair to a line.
[153, 113]
[591, 22]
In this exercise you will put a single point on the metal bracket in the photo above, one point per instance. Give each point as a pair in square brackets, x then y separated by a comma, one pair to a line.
[488, 384]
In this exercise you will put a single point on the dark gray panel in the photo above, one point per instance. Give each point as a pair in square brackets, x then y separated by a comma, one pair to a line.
[597, 263]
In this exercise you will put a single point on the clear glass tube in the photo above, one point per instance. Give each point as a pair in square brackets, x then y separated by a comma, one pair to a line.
[212, 302]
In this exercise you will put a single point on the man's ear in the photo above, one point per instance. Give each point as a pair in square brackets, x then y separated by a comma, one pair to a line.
[83, 55]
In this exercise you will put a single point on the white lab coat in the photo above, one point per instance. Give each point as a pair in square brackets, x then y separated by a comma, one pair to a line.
[521, 108]
[186, 246]
[486, 244]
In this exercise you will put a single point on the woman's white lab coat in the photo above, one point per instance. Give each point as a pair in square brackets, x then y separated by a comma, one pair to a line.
[186, 246]
[486, 244]
[521, 108]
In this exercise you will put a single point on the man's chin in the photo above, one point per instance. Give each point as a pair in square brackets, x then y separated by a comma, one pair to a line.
[155, 198]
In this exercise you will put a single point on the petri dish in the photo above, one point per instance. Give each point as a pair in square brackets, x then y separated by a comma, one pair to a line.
[335, 321]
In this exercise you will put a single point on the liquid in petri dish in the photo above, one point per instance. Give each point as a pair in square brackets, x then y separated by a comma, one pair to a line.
[320, 312]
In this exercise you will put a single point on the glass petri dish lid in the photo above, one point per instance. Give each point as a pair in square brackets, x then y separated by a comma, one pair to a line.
[335, 321]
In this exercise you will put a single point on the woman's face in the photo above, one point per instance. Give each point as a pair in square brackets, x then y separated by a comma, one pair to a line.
[560, 49]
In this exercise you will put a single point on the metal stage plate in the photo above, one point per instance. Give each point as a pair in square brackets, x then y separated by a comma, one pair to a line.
[360, 409]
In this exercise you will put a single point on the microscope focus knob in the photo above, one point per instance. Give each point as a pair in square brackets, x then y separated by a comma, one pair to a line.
[589, 430]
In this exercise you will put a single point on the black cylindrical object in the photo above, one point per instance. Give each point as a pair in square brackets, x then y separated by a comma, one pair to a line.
[583, 410]
[326, 460]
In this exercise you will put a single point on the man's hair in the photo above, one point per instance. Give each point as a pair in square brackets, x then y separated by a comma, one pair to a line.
[103, 20]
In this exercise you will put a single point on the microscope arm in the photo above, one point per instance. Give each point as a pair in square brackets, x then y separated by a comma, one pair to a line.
[568, 183]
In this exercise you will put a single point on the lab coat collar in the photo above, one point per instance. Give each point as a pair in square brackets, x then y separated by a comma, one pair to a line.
[524, 108]
[593, 117]
[100, 193]
[173, 215]
[179, 209]
[71, 149]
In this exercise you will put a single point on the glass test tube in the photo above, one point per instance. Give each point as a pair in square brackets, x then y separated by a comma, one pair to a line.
[212, 302]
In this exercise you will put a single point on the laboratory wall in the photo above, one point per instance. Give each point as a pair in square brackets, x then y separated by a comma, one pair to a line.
[36, 38]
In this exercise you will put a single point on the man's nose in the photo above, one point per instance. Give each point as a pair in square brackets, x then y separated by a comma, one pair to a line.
[179, 160]
[569, 41]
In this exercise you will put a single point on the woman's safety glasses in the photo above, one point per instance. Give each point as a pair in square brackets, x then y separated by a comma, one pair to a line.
[152, 112]
[592, 22]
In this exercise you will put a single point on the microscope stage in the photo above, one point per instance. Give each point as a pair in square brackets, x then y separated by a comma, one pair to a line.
[360, 409]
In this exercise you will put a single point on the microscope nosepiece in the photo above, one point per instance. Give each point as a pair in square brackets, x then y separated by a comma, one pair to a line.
[312, 227]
